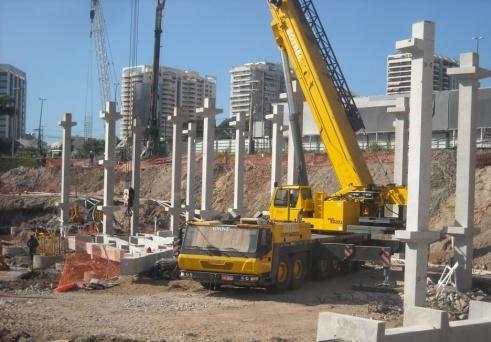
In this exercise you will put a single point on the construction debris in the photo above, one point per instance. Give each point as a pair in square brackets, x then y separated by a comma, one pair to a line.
[454, 302]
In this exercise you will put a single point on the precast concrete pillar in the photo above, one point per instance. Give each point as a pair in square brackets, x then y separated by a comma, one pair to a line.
[175, 209]
[298, 99]
[135, 174]
[239, 124]
[277, 143]
[401, 144]
[468, 74]
[417, 236]
[64, 205]
[109, 116]
[208, 112]
[191, 170]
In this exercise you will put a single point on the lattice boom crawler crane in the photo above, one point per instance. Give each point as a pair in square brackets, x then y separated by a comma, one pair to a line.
[306, 232]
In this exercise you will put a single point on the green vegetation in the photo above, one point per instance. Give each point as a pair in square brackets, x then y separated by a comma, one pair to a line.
[8, 163]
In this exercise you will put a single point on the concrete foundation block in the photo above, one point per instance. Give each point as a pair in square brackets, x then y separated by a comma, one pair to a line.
[478, 310]
[472, 330]
[41, 262]
[334, 326]
[135, 264]
[415, 315]
[419, 333]
[11, 251]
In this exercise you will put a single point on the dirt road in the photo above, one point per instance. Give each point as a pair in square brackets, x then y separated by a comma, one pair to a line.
[183, 311]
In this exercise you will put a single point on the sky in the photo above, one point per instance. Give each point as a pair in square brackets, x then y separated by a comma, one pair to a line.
[49, 40]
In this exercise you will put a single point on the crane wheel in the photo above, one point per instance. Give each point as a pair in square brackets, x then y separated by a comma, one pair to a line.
[283, 275]
[321, 268]
[299, 270]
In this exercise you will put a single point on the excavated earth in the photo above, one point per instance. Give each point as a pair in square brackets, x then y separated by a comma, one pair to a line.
[141, 309]
[19, 206]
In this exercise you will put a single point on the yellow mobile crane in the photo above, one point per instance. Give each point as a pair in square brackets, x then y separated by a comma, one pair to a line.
[305, 232]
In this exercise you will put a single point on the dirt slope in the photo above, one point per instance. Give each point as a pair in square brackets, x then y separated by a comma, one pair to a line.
[156, 184]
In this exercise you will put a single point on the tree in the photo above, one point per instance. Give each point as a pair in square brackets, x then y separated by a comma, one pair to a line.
[95, 145]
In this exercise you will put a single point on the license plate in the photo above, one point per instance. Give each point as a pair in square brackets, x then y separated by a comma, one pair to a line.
[227, 277]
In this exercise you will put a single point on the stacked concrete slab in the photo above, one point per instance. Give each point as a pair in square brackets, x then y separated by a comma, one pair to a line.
[135, 255]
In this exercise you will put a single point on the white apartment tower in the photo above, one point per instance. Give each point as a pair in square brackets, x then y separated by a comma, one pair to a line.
[176, 87]
[254, 88]
[13, 83]
[399, 73]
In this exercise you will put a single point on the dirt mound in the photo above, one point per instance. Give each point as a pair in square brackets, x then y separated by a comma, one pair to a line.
[155, 184]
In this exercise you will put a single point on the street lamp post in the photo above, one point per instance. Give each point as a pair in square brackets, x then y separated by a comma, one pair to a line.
[477, 39]
[40, 143]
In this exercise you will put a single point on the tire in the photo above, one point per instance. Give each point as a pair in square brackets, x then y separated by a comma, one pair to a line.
[320, 269]
[299, 270]
[283, 275]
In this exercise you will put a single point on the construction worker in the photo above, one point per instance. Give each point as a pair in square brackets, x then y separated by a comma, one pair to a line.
[32, 244]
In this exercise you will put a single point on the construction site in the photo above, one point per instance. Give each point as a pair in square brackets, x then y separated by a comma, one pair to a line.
[166, 236]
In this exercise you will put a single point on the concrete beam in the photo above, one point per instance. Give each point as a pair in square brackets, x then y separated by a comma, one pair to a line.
[277, 143]
[208, 112]
[298, 100]
[239, 125]
[135, 174]
[64, 205]
[422, 47]
[109, 116]
[175, 209]
[191, 171]
[468, 75]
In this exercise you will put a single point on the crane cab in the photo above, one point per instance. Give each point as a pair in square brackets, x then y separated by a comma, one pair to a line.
[295, 203]
[291, 203]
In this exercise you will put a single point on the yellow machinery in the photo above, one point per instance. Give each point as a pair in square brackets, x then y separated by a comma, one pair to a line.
[305, 232]
[300, 35]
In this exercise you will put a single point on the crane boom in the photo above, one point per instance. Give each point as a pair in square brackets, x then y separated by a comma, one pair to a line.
[298, 32]
[153, 127]
[104, 63]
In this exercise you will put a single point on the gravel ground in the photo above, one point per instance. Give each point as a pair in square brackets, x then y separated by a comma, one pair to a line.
[183, 311]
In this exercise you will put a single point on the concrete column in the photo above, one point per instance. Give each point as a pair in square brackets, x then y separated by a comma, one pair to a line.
[191, 170]
[175, 208]
[208, 112]
[298, 99]
[239, 124]
[401, 139]
[416, 235]
[109, 116]
[462, 233]
[135, 174]
[64, 205]
[276, 143]
[401, 144]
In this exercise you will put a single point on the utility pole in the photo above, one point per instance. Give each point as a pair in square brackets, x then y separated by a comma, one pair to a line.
[477, 39]
[40, 142]
[153, 127]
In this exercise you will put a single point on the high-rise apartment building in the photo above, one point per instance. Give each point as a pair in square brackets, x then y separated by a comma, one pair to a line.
[254, 88]
[13, 84]
[399, 73]
[183, 88]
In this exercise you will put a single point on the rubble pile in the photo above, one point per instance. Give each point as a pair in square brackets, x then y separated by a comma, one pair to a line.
[454, 302]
